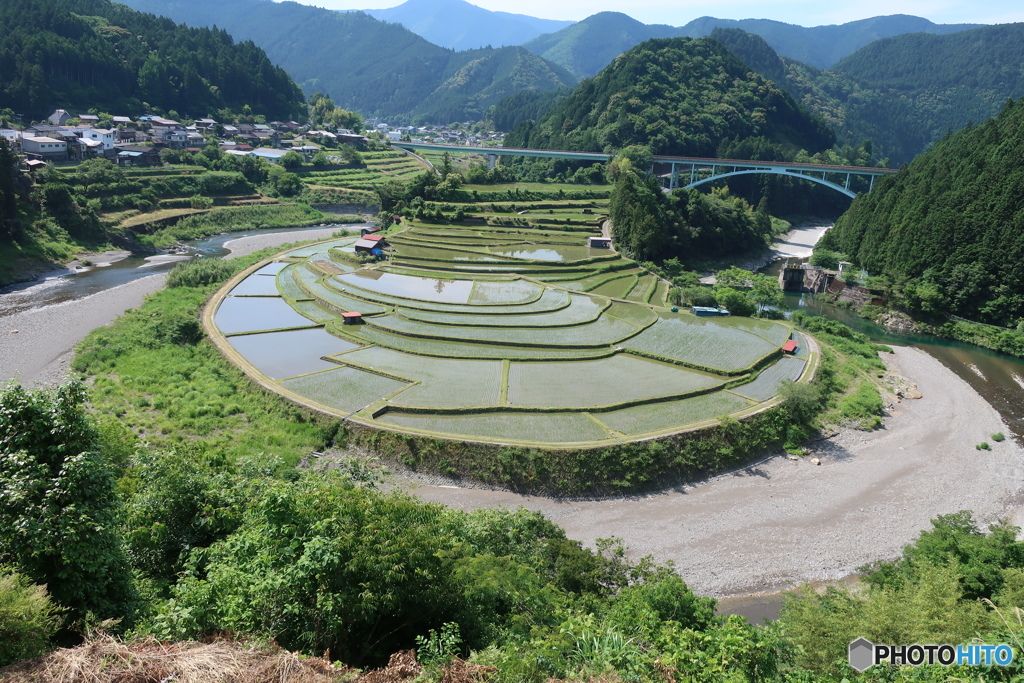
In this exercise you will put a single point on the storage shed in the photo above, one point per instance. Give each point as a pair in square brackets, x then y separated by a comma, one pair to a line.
[599, 242]
[709, 311]
[370, 243]
[351, 318]
[790, 346]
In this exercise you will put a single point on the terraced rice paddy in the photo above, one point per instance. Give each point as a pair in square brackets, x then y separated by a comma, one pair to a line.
[502, 328]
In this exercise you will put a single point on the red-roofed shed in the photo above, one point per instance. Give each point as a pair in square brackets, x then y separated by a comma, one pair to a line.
[789, 347]
[375, 238]
[351, 318]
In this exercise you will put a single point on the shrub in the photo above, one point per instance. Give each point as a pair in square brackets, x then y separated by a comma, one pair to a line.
[998, 437]
[863, 406]
[199, 273]
[27, 619]
[983, 446]
[49, 462]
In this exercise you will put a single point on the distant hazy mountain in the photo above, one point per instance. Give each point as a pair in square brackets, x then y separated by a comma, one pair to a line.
[459, 25]
[823, 46]
[371, 66]
[902, 93]
[589, 45]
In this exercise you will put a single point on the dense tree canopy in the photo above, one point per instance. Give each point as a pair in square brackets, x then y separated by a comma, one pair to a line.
[676, 96]
[99, 54]
[948, 232]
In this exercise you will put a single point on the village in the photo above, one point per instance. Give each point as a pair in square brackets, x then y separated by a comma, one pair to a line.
[64, 137]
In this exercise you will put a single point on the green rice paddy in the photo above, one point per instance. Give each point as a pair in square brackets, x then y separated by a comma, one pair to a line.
[503, 328]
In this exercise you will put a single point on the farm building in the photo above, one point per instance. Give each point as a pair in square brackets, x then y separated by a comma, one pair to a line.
[790, 346]
[599, 242]
[372, 244]
[369, 230]
[709, 311]
[351, 318]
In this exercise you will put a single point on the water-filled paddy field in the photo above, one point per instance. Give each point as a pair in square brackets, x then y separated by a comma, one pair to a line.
[513, 333]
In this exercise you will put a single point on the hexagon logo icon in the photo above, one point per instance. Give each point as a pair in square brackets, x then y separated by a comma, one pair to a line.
[862, 654]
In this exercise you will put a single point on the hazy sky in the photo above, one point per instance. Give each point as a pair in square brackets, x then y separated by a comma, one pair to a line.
[802, 12]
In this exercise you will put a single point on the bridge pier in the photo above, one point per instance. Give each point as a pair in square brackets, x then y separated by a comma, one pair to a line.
[492, 159]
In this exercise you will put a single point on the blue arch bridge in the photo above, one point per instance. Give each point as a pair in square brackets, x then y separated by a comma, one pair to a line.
[689, 171]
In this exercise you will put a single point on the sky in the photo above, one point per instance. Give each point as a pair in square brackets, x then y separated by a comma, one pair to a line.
[801, 12]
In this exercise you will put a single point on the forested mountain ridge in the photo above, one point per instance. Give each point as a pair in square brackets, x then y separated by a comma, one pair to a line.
[370, 66]
[459, 25]
[948, 231]
[589, 45]
[676, 96]
[901, 93]
[100, 54]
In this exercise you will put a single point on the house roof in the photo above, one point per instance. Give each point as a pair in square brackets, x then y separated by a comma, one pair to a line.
[269, 153]
[41, 139]
[366, 243]
[122, 119]
[375, 238]
[351, 314]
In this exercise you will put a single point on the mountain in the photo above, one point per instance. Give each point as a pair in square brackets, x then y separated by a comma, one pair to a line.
[458, 25]
[948, 231]
[589, 45]
[823, 46]
[371, 66]
[677, 96]
[83, 54]
[902, 93]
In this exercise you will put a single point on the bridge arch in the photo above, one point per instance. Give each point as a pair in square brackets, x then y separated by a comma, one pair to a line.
[775, 171]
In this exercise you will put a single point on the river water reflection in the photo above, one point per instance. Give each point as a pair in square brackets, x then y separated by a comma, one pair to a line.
[997, 377]
[68, 286]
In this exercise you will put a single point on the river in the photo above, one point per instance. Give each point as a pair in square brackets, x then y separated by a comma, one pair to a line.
[999, 378]
[41, 322]
[64, 285]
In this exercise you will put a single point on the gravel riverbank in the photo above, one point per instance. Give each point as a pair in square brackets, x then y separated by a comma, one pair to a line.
[36, 345]
[781, 522]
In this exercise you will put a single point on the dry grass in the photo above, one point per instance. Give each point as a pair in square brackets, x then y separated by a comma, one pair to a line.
[105, 659]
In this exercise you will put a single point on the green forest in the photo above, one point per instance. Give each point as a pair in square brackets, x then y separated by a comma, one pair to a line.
[676, 96]
[97, 54]
[946, 236]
